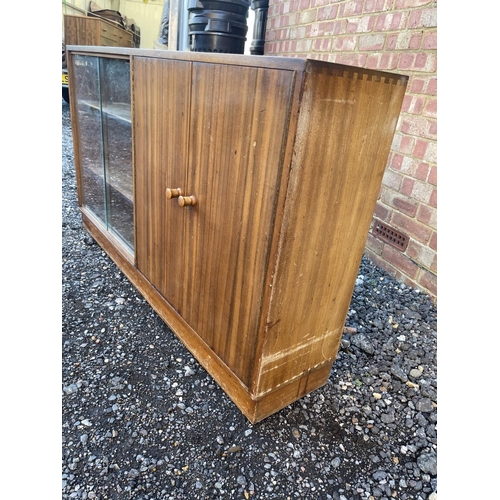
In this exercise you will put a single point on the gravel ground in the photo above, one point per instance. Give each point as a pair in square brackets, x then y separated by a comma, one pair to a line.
[141, 419]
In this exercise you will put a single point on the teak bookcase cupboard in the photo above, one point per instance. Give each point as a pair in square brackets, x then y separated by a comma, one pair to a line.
[236, 193]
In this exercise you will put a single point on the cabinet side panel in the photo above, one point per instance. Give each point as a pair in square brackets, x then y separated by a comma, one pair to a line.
[346, 126]
[239, 120]
[161, 110]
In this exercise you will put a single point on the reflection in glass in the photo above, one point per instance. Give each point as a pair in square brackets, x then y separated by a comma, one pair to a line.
[117, 130]
[86, 77]
[105, 131]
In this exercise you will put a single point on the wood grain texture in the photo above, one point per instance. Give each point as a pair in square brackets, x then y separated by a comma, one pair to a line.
[210, 260]
[270, 62]
[239, 120]
[286, 394]
[161, 124]
[335, 178]
[285, 161]
[75, 130]
[81, 30]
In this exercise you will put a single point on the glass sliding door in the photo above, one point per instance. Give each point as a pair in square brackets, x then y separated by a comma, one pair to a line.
[105, 130]
[87, 89]
[117, 133]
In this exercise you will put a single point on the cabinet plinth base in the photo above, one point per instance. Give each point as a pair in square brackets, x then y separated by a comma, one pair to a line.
[254, 408]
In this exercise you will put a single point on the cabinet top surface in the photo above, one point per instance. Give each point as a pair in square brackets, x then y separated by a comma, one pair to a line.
[278, 62]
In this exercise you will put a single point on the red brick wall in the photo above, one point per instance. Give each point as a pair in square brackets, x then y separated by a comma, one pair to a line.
[398, 36]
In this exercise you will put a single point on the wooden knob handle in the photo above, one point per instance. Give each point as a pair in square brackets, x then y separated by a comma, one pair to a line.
[173, 193]
[187, 201]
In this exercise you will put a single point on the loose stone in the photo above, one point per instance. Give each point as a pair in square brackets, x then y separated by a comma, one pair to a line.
[427, 463]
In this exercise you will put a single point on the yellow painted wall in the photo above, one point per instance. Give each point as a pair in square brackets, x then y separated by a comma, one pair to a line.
[146, 14]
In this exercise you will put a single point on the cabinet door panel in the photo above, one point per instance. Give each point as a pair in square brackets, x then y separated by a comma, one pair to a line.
[239, 119]
[161, 111]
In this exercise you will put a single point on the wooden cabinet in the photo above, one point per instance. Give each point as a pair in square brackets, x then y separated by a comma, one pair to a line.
[254, 184]
[82, 30]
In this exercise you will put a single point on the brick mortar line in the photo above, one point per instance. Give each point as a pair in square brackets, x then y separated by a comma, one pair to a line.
[351, 35]
[376, 13]
[358, 51]
[423, 29]
[418, 264]
[360, 33]
[352, 18]
[393, 209]
[433, 118]
[396, 270]
[410, 115]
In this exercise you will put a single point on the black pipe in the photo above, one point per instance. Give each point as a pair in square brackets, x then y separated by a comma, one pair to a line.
[260, 7]
[218, 25]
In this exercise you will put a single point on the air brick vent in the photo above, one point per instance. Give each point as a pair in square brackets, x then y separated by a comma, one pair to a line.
[390, 235]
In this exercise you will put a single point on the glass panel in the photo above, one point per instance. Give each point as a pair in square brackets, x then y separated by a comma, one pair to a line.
[117, 133]
[86, 78]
